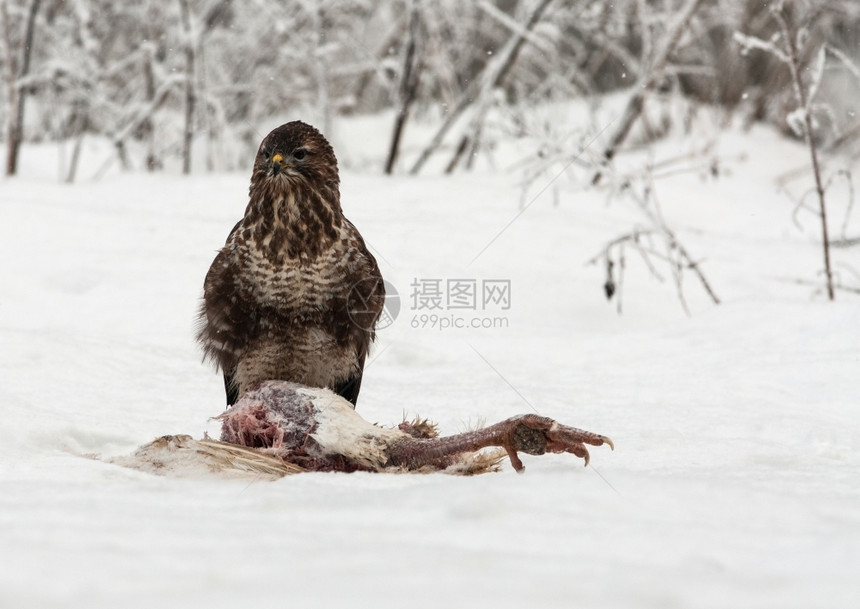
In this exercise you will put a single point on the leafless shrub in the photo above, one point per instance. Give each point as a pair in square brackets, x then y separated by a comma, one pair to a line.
[655, 242]
[795, 46]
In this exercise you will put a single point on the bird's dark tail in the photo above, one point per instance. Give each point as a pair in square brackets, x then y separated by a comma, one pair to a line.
[232, 389]
[350, 388]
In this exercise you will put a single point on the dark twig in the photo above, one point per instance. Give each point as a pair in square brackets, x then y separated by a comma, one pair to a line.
[409, 81]
[804, 100]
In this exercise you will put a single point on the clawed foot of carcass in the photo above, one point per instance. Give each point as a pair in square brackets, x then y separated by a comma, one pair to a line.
[528, 433]
[536, 435]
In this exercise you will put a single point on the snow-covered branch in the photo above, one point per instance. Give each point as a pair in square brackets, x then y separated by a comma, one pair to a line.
[749, 43]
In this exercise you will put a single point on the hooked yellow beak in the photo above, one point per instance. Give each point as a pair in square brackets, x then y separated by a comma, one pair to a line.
[277, 160]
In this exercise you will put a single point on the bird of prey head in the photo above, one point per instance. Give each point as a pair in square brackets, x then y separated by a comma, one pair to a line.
[295, 196]
[295, 155]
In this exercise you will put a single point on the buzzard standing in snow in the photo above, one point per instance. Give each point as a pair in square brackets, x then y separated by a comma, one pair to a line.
[294, 294]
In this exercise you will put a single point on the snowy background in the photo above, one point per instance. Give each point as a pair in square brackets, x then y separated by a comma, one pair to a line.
[736, 476]
[734, 481]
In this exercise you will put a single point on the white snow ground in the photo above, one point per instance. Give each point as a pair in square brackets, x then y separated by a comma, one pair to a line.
[736, 478]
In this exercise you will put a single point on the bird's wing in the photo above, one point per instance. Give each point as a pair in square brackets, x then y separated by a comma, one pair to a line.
[365, 303]
[215, 322]
[365, 310]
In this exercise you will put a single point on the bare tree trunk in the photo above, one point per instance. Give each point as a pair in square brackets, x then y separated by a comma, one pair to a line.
[190, 94]
[474, 146]
[122, 153]
[76, 157]
[206, 112]
[322, 75]
[152, 161]
[458, 153]
[79, 128]
[12, 89]
[485, 82]
[650, 78]
[408, 87]
[17, 71]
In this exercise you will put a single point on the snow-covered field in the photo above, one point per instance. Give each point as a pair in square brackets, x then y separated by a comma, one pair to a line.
[736, 476]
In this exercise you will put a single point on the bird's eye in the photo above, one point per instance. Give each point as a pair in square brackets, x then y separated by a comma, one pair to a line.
[300, 154]
[266, 153]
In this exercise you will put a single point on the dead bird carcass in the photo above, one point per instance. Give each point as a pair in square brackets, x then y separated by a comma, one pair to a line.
[279, 427]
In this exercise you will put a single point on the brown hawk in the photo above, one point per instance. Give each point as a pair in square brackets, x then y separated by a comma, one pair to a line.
[294, 294]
